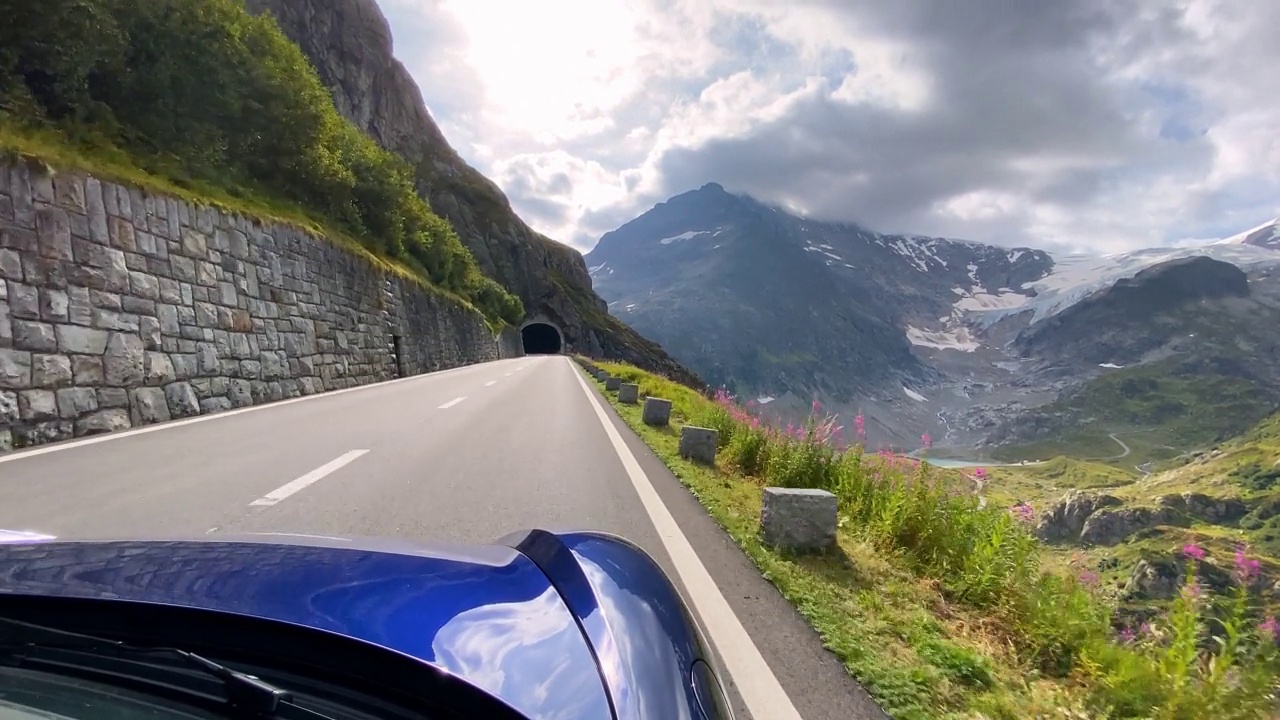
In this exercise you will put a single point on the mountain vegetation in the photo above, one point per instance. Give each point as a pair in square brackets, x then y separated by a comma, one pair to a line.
[206, 96]
[947, 606]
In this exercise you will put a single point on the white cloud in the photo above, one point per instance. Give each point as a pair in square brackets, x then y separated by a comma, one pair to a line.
[1089, 123]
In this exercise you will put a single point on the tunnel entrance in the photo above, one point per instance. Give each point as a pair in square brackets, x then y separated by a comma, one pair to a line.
[541, 339]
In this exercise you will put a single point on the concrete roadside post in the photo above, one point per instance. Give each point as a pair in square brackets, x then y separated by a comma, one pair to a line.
[629, 393]
[798, 519]
[699, 444]
[657, 412]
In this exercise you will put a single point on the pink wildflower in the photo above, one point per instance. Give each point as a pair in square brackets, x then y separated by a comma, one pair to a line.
[979, 473]
[1193, 550]
[1191, 591]
[926, 440]
[1024, 512]
[816, 406]
[1091, 578]
[1145, 629]
[859, 426]
[1270, 627]
[1126, 636]
[1246, 568]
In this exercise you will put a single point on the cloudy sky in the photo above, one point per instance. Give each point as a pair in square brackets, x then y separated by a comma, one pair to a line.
[1103, 124]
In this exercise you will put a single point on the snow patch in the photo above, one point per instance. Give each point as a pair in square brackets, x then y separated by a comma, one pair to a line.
[765, 399]
[1113, 366]
[913, 394]
[682, 236]
[957, 339]
[1014, 255]
[986, 301]
[594, 270]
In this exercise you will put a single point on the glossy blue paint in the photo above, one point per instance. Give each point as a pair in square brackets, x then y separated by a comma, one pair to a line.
[645, 640]
[487, 614]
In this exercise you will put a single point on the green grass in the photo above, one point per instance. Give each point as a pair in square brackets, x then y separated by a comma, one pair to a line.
[1158, 410]
[218, 103]
[932, 603]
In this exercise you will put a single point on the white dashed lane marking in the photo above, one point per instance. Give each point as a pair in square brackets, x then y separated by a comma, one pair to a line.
[290, 488]
[452, 402]
[491, 383]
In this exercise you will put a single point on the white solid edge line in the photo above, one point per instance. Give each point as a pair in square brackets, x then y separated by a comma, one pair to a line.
[759, 687]
[294, 486]
[452, 402]
[225, 414]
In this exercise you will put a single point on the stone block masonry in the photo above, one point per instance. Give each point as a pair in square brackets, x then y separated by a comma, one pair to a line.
[120, 307]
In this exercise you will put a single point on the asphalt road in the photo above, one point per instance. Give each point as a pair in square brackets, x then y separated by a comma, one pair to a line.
[463, 455]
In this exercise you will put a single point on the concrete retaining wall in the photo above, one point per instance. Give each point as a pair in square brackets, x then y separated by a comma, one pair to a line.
[121, 308]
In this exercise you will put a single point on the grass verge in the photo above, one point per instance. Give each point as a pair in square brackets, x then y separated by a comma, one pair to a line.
[989, 638]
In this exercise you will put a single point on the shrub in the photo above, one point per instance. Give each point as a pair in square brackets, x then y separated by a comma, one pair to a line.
[201, 91]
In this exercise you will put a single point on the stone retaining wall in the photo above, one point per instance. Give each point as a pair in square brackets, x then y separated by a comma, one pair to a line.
[120, 308]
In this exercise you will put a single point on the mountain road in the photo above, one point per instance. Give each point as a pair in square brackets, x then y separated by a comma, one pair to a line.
[463, 455]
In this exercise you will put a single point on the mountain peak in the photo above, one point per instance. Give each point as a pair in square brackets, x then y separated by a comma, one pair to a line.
[712, 187]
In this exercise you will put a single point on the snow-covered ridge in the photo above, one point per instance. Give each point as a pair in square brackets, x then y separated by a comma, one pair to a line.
[1075, 277]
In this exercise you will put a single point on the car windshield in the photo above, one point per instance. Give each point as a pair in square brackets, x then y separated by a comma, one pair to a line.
[38, 695]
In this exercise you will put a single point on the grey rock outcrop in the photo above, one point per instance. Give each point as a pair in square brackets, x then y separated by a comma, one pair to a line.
[349, 43]
[1161, 577]
[1111, 526]
[123, 308]
[1066, 519]
[1205, 507]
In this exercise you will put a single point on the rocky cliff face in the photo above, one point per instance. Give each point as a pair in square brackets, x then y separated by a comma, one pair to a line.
[349, 42]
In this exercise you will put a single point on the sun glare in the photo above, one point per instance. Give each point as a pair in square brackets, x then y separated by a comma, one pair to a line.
[554, 67]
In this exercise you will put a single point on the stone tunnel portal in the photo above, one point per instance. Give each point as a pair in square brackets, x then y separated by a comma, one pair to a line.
[541, 338]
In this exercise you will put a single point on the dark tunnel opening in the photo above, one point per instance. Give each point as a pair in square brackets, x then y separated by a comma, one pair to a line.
[541, 339]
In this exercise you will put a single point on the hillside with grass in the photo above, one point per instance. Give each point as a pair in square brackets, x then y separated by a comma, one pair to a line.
[1131, 526]
[1158, 411]
[202, 97]
[946, 606]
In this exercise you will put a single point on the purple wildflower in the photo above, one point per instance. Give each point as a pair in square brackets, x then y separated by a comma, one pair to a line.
[1126, 636]
[1246, 568]
[1145, 629]
[1193, 550]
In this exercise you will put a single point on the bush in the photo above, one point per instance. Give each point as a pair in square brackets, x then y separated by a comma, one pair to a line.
[202, 91]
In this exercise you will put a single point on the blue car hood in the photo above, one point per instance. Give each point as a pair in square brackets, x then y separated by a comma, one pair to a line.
[483, 613]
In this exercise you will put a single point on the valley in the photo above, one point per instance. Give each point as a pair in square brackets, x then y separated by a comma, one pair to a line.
[1000, 354]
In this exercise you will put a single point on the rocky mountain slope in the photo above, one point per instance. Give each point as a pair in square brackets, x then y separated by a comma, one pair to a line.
[349, 43]
[971, 343]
